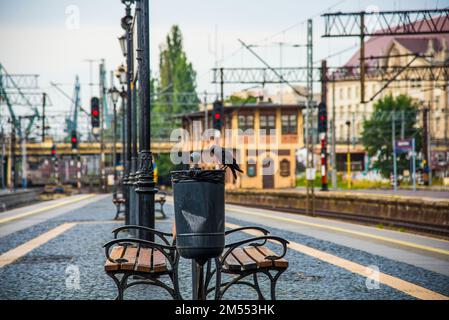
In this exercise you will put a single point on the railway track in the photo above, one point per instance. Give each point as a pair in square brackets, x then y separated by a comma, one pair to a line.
[360, 218]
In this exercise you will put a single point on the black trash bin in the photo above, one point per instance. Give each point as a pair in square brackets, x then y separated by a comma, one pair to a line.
[199, 213]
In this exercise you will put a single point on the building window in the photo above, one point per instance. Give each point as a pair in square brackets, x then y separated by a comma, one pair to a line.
[341, 93]
[246, 122]
[289, 124]
[285, 168]
[267, 123]
[251, 170]
[349, 93]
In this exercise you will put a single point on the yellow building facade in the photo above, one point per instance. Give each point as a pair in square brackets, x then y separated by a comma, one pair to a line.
[263, 137]
[344, 94]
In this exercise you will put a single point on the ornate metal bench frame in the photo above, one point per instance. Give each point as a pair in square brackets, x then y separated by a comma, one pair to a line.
[242, 274]
[138, 277]
[118, 201]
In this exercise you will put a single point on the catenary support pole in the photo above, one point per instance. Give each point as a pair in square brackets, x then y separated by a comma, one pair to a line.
[393, 141]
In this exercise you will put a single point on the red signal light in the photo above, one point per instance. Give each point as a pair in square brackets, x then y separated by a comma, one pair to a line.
[95, 113]
[53, 152]
[217, 116]
[322, 118]
[74, 140]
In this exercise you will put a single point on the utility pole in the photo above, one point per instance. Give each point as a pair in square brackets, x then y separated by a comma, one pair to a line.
[425, 142]
[13, 156]
[310, 192]
[362, 57]
[393, 141]
[222, 85]
[348, 155]
[414, 163]
[102, 108]
[44, 96]
[402, 125]
[24, 153]
[206, 116]
[334, 139]
[429, 146]
[323, 135]
[24, 161]
[2, 160]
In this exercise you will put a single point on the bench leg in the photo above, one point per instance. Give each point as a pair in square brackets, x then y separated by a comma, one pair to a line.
[237, 280]
[256, 284]
[162, 211]
[118, 212]
[273, 282]
[121, 284]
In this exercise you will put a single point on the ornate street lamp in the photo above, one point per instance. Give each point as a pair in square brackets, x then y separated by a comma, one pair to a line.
[123, 46]
[115, 95]
[121, 75]
[126, 76]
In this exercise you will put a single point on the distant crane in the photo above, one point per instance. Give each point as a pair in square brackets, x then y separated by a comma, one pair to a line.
[72, 118]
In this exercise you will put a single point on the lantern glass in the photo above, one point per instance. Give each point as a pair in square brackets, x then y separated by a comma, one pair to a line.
[123, 46]
[115, 94]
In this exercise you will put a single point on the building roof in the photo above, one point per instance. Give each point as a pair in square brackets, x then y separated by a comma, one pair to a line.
[378, 45]
[260, 105]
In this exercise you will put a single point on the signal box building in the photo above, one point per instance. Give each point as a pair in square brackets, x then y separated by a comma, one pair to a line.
[266, 151]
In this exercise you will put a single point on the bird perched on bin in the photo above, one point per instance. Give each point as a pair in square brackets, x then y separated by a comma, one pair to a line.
[226, 159]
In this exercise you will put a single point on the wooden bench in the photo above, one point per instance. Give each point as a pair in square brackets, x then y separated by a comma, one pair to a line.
[130, 262]
[161, 199]
[247, 258]
[119, 201]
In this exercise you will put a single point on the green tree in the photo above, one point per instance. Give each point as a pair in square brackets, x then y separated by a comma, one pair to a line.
[176, 88]
[235, 100]
[377, 132]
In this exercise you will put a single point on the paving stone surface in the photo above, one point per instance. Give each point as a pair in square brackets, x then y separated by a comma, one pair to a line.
[48, 271]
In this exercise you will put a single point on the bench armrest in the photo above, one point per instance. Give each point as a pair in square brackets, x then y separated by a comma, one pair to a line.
[160, 234]
[256, 243]
[264, 231]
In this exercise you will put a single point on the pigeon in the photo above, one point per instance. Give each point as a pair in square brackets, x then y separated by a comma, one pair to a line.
[226, 159]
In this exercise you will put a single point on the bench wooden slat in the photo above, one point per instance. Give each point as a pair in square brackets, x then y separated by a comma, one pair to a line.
[232, 263]
[258, 257]
[246, 262]
[144, 261]
[280, 263]
[131, 256]
[159, 261]
[116, 253]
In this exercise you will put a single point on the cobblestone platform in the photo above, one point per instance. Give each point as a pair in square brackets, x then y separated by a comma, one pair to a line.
[44, 273]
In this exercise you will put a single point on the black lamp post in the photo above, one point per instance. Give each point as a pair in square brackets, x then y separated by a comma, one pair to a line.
[121, 75]
[128, 52]
[115, 95]
[145, 186]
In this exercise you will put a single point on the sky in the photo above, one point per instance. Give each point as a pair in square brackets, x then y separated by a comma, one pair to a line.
[54, 38]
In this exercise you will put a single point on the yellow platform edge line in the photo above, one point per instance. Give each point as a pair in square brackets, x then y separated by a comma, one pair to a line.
[18, 252]
[393, 282]
[50, 207]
